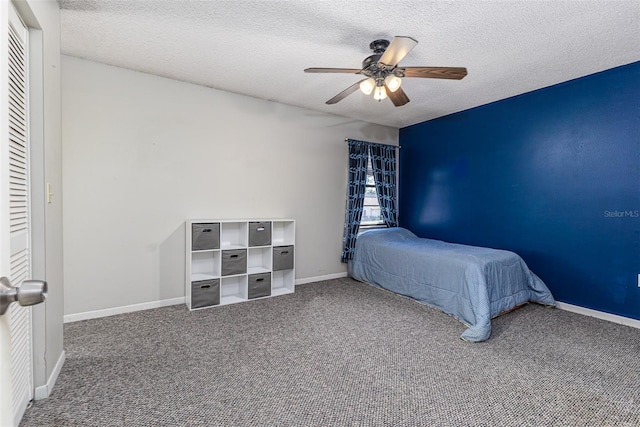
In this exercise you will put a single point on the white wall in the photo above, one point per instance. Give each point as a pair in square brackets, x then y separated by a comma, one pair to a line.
[141, 154]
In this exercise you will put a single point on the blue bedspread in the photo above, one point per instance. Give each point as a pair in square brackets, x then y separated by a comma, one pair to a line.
[471, 283]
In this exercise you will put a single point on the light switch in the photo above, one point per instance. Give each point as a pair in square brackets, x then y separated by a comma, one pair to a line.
[49, 193]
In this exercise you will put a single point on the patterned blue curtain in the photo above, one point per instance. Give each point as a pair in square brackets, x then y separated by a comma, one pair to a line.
[383, 163]
[358, 156]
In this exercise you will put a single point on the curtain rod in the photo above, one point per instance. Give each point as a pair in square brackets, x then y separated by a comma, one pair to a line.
[373, 143]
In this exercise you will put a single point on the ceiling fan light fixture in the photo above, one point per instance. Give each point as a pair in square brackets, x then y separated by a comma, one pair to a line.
[367, 86]
[380, 93]
[393, 82]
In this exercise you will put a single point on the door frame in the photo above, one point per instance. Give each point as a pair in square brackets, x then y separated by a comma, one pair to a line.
[35, 73]
[42, 17]
[38, 189]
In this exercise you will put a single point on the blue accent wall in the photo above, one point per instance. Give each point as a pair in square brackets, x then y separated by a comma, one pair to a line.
[553, 175]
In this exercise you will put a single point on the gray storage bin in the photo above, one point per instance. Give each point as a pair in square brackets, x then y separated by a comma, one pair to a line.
[205, 236]
[205, 293]
[282, 258]
[234, 262]
[259, 285]
[260, 233]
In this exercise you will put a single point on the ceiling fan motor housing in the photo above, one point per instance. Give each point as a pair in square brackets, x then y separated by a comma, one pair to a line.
[371, 60]
[377, 70]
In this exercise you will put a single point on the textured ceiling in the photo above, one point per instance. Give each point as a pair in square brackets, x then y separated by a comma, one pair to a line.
[260, 48]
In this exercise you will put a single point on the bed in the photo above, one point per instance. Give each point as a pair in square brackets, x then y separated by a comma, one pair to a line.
[471, 283]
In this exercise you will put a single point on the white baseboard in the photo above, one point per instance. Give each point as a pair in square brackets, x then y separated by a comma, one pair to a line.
[598, 314]
[75, 317]
[320, 278]
[68, 318]
[44, 391]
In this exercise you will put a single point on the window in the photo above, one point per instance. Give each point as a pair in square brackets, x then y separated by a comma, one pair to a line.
[371, 215]
[362, 207]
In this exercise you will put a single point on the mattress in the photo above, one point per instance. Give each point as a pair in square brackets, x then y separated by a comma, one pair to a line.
[473, 284]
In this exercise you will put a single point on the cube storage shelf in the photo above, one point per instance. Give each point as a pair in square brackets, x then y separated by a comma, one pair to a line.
[231, 261]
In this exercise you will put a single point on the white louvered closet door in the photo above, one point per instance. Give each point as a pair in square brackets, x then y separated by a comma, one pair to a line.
[15, 261]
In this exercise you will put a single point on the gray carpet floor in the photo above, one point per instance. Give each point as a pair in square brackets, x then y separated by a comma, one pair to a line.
[343, 353]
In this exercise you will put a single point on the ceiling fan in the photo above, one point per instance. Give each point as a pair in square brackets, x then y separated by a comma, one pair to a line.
[384, 76]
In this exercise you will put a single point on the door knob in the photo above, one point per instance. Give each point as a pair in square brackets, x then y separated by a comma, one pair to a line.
[29, 293]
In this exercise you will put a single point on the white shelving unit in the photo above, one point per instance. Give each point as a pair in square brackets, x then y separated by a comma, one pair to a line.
[231, 261]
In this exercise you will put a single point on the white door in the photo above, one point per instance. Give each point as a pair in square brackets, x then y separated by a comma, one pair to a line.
[16, 367]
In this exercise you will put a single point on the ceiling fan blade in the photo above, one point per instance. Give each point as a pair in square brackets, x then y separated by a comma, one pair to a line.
[399, 97]
[454, 73]
[333, 70]
[397, 50]
[348, 91]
